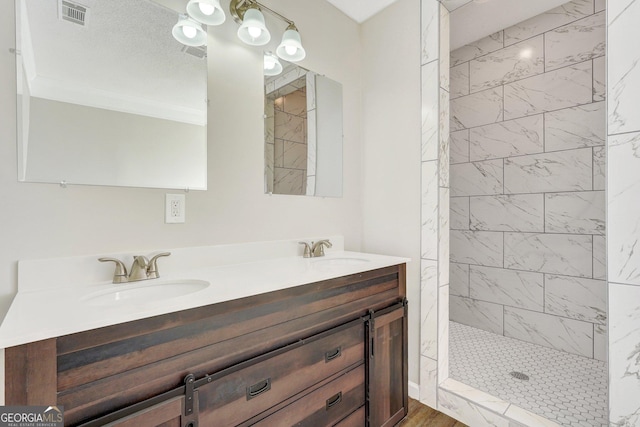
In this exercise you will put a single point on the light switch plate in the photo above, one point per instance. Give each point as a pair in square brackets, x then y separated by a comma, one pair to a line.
[175, 209]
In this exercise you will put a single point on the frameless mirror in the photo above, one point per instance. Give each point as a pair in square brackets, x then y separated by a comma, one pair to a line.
[303, 133]
[107, 96]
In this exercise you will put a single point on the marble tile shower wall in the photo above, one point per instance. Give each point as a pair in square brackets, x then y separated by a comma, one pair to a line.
[528, 132]
[290, 139]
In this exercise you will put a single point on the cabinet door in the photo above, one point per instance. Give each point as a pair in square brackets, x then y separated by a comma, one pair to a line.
[387, 367]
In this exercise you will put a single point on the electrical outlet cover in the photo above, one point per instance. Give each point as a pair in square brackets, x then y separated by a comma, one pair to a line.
[175, 208]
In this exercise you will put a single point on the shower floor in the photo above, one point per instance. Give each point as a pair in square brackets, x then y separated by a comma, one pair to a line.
[565, 388]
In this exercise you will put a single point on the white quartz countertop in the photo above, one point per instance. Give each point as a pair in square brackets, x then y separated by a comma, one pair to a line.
[40, 312]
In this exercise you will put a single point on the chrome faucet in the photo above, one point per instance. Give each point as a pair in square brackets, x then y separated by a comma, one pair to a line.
[315, 249]
[141, 269]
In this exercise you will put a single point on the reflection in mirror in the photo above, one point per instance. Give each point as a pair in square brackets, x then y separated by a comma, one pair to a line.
[303, 133]
[107, 96]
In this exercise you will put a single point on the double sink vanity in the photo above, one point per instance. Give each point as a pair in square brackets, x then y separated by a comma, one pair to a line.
[247, 334]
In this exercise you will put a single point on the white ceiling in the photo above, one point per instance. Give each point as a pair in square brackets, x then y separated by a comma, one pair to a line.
[361, 10]
[123, 59]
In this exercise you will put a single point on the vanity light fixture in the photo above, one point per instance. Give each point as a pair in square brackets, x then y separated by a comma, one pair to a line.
[189, 32]
[253, 31]
[208, 12]
[272, 66]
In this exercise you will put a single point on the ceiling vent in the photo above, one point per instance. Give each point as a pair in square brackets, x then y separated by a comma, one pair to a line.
[197, 51]
[72, 12]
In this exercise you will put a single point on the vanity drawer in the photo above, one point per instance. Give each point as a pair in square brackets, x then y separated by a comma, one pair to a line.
[356, 419]
[326, 406]
[262, 383]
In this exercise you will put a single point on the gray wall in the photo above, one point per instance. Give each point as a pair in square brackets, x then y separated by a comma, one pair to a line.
[527, 181]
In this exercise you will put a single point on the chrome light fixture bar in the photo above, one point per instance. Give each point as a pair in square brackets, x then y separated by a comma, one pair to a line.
[253, 31]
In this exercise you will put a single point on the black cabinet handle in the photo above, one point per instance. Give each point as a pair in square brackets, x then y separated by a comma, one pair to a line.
[332, 354]
[334, 400]
[258, 388]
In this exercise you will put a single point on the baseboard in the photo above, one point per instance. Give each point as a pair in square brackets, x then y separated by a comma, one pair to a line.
[414, 390]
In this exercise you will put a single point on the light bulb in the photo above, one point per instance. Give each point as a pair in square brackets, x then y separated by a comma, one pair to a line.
[269, 65]
[189, 31]
[291, 50]
[254, 32]
[207, 9]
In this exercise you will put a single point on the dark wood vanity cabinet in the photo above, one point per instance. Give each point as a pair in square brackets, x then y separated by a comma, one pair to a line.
[331, 353]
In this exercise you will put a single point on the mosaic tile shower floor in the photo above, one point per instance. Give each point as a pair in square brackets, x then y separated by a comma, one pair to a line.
[568, 389]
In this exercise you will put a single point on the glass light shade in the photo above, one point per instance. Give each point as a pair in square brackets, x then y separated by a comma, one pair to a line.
[253, 31]
[290, 48]
[208, 12]
[272, 67]
[189, 32]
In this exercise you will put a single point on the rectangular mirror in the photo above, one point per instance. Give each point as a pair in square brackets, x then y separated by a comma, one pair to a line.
[107, 96]
[303, 133]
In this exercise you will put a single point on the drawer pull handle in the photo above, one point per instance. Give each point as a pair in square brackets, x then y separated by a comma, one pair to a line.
[258, 388]
[332, 354]
[334, 400]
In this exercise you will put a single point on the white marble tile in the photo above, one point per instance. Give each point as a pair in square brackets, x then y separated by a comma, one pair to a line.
[459, 146]
[578, 41]
[443, 333]
[599, 168]
[575, 127]
[623, 209]
[452, 5]
[468, 412]
[599, 257]
[600, 342]
[509, 138]
[443, 237]
[549, 20]
[526, 418]
[295, 155]
[428, 381]
[477, 178]
[312, 142]
[444, 59]
[311, 185]
[443, 156]
[459, 279]
[289, 127]
[580, 212]
[576, 298]
[560, 171]
[506, 65]
[429, 308]
[562, 88]
[459, 219]
[485, 45]
[600, 5]
[569, 335]
[459, 76]
[623, 71]
[477, 109]
[522, 212]
[599, 79]
[430, 31]
[624, 355]
[521, 289]
[549, 253]
[311, 91]
[288, 181]
[268, 169]
[479, 314]
[477, 247]
[429, 227]
[474, 395]
[430, 111]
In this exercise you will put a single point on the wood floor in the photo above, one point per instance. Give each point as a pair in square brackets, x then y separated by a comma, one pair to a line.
[421, 415]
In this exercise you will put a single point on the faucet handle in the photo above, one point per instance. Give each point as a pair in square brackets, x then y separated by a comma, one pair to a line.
[120, 275]
[152, 270]
[307, 249]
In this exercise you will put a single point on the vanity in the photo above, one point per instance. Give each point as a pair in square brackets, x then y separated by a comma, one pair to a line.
[277, 341]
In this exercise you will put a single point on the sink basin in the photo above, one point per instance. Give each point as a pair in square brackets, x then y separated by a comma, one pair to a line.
[145, 292]
[338, 261]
